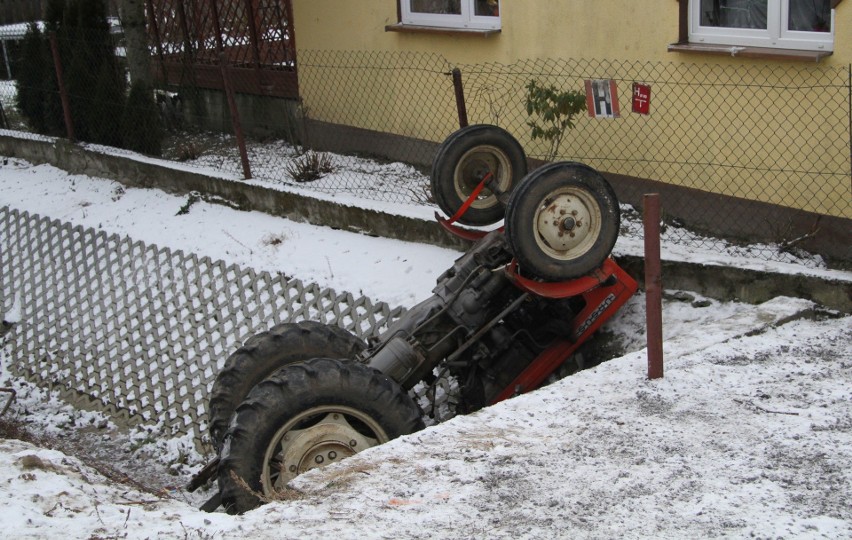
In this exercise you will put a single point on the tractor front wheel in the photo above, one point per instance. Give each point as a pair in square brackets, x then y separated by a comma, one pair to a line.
[464, 159]
[562, 221]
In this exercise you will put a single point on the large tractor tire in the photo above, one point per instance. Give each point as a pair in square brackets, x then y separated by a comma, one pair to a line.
[304, 416]
[562, 221]
[266, 352]
[464, 159]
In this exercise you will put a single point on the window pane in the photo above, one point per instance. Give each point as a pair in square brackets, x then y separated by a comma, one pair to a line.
[452, 7]
[810, 15]
[734, 13]
[487, 8]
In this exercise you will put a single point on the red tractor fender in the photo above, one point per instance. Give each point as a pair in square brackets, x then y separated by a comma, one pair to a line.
[605, 290]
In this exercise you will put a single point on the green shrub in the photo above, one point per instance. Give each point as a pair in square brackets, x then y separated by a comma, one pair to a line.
[552, 112]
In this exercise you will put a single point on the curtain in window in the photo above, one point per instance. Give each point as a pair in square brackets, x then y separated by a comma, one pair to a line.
[734, 13]
[451, 7]
[810, 15]
[487, 8]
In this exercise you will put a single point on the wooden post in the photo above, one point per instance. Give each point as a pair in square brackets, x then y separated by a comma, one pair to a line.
[653, 285]
[235, 116]
[63, 93]
[460, 105]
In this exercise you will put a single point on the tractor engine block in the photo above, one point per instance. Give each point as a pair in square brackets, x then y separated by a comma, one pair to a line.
[476, 321]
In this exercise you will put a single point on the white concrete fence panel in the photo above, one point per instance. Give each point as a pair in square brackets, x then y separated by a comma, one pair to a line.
[140, 331]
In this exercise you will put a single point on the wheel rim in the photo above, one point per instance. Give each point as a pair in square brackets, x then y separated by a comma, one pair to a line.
[567, 223]
[316, 438]
[472, 168]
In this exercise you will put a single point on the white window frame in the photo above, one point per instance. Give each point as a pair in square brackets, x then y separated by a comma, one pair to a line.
[775, 35]
[467, 19]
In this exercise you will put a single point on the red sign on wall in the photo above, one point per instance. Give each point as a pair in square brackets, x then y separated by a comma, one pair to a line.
[641, 98]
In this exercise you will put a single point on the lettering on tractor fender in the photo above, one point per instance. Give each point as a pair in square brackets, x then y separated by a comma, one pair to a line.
[595, 314]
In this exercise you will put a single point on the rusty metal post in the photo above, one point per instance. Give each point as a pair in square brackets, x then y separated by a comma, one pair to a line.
[460, 105]
[235, 116]
[653, 285]
[152, 21]
[254, 36]
[217, 27]
[184, 25]
[63, 93]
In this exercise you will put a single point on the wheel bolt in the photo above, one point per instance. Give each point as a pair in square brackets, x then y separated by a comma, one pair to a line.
[292, 468]
[352, 443]
[332, 455]
[319, 459]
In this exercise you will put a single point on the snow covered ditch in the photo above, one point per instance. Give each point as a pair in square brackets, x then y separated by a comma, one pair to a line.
[745, 436]
[750, 432]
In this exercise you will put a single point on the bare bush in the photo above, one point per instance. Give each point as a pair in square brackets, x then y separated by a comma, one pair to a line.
[309, 166]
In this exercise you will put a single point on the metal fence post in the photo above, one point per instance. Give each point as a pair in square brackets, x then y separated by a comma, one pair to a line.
[254, 41]
[653, 285]
[152, 21]
[460, 105]
[63, 93]
[235, 116]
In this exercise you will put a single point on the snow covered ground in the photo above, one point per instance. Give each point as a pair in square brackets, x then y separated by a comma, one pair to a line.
[749, 433]
[399, 273]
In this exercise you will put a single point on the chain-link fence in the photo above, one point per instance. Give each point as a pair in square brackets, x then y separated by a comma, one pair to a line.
[730, 146]
[141, 331]
[751, 152]
[778, 134]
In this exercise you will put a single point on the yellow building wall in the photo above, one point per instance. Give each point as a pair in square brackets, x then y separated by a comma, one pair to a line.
[712, 137]
[628, 30]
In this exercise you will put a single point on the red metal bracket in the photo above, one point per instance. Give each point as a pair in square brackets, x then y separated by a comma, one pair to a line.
[461, 232]
[449, 223]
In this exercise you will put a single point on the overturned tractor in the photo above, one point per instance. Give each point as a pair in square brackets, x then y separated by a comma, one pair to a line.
[504, 318]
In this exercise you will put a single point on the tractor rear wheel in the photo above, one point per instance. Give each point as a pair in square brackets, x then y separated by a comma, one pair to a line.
[264, 353]
[308, 415]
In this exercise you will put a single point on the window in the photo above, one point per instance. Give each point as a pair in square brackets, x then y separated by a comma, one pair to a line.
[782, 24]
[472, 14]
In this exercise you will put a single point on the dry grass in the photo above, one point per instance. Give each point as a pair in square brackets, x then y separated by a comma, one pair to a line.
[14, 429]
[286, 494]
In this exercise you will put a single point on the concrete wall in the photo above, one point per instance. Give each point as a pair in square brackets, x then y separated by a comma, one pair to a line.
[260, 116]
